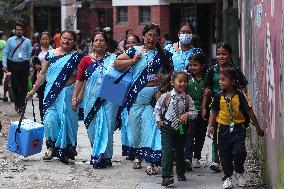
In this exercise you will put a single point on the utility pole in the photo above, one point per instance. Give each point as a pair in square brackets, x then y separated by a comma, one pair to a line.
[63, 13]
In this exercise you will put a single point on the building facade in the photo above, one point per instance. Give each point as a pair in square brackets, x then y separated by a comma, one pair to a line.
[206, 17]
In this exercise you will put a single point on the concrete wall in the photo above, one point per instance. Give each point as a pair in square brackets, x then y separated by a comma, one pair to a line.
[262, 55]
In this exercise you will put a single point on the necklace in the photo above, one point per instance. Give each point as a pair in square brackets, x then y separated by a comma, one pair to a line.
[151, 61]
[230, 109]
[100, 63]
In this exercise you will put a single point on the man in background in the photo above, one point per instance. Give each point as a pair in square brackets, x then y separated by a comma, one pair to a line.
[16, 57]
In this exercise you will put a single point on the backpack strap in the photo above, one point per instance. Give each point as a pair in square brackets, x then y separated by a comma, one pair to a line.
[186, 105]
[166, 103]
[243, 109]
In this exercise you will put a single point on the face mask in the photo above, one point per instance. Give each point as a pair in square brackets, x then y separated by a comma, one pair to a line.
[185, 38]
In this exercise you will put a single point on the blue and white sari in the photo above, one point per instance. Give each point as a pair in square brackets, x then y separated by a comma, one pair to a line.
[140, 135]
[60, 122]
[181, 59]
[99, 115]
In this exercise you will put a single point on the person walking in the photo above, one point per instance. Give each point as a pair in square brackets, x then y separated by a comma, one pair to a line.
[2, 46]
[38, 57]
[60, 122]
[173, 110]
[149, 64]
[232, 111]
[16, 57]
[99, 115]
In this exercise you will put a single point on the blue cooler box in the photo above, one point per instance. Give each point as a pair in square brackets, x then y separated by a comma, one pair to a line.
[113, 92]
[29, 140]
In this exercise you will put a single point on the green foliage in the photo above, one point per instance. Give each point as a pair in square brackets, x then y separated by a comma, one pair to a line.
[12, 11]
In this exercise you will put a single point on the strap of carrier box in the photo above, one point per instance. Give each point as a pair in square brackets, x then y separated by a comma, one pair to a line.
[122, 75]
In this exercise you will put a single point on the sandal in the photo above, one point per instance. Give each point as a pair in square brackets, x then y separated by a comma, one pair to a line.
[137, 164]
[150, 170]
[48, 155]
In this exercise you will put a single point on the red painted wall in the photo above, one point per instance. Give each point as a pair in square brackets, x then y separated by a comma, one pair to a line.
[262, 54]
[159, 15]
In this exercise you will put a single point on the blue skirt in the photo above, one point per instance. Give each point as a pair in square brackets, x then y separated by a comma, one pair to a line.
[143, 138]
[61, 125]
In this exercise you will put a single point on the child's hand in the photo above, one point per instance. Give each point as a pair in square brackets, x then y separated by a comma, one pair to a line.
[208, 92]
[203, 114]
[160, 124]
[136, 57]
[260, 132]
[210, 131]
[183, 118]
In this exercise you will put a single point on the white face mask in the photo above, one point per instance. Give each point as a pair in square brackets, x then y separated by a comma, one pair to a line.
[185, 38]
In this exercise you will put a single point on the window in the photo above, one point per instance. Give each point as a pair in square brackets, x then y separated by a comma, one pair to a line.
[122, 14]
[144, 15]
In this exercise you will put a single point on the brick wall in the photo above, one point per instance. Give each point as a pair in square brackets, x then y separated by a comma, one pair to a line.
[159, 15]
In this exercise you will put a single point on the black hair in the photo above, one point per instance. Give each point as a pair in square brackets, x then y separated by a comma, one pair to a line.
[127, 32]
[186, 23]
[167, 65]
[231, 73]
[98, 29]
[225, 46]
[44, 33]
[200, 57]
[1, 34]
[137, 38]
[100, 33]
[71, 32]
[176, 73]
[19, 25]
[167, 36]
[195, 41]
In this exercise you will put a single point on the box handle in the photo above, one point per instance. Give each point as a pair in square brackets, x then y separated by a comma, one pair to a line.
[122, 75]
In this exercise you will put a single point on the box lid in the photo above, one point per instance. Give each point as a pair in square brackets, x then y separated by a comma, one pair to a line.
[29, 124]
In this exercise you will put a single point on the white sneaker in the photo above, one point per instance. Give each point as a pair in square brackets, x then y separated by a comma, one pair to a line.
[215, 167]
[228, 183]
[241, 179]
[195, 163]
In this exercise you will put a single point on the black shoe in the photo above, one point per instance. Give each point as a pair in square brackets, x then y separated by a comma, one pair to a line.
[167, 181]
[5, 99]
[188, 165]
[181, 178]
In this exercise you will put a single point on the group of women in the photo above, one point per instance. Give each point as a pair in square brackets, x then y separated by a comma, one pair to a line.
[74, 80]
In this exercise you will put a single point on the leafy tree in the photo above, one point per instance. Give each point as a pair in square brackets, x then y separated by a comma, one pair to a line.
[12, 11]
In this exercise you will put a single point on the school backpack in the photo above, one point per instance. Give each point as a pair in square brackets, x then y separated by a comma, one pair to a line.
[242, 106]
[167, 100]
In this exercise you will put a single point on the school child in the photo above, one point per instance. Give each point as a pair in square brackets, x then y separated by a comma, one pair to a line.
[224, 60]
[197, 128]
[232, 111]
[173, 111]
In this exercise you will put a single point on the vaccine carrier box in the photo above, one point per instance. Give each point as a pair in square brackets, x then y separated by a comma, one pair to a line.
[114, 90]
[28, 140]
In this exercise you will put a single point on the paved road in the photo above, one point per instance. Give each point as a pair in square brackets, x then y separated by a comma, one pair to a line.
[33, 172]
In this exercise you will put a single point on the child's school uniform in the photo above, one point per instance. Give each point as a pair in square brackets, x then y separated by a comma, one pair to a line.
[197, 128]
[172, 137]
[212, 82]
[231, 119]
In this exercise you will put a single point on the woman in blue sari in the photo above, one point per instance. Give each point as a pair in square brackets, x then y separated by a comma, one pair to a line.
[181, 50]
[149, 64]
[60, 122]
[99, 115]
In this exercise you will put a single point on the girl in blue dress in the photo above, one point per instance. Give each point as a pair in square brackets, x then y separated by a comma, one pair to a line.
[60, 122]
[149, 64]
[99, 115]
